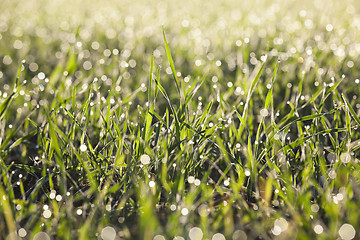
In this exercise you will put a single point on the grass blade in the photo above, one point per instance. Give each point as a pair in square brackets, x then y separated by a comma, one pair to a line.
[351, 109]
[172, 66]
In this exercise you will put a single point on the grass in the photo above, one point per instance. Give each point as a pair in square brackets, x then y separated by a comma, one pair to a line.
[235, 124]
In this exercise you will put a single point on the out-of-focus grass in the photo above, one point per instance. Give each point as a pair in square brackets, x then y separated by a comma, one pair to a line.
[174, 120]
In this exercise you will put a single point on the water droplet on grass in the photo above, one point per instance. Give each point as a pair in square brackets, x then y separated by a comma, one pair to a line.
[41, 236]
[83, 148]
[282, 223]
[41, 75]
[58, 198]
[172, 207]
[315, 208]
[276, 230]
[218, 236]
[151, 184]
[347, 232]
[108, 233]
[47, 213]
[79, 212]
[203, 210]
[178, 238]
[191, 179]
[52, 195]
[197, 182]
[239, 235]
[264, 112]
[318, 229]
[159, 237]
[185, 212]
[145, 159]
[345, 157]
[196, 233]
[22, 232]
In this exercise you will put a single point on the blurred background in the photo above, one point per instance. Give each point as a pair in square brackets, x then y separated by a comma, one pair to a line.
[200, 33]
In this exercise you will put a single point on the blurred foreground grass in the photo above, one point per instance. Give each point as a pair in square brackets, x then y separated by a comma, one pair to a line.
[241, 123]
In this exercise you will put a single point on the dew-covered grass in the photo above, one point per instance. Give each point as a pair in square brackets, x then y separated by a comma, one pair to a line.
[179, 119]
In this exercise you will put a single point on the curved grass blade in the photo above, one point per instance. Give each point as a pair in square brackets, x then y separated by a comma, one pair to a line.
[172, 65]
[251, 90]
[352, 111]
[303, 139]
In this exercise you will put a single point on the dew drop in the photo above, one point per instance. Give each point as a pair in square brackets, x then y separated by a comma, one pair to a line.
[145, 159]
[318, 229]
[108, 233]
[41, 236]
[218, 236]
[196, 233]
[347, 232]
[83, 148]
[22, 232]
[184, 211]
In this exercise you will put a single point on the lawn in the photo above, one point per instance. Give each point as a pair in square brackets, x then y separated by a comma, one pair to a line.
[179, 119]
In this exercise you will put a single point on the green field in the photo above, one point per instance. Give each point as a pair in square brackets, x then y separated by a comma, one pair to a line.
[179, 119]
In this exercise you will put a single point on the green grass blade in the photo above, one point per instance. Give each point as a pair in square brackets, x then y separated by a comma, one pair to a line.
[250, 92]
[269, 96]
[172, 65]
[351, 109]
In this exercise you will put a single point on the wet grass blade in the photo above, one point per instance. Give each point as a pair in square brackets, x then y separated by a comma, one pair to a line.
[302, 140]
[351, 109]
[269, 96]
[250, 92]
[172, 66]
